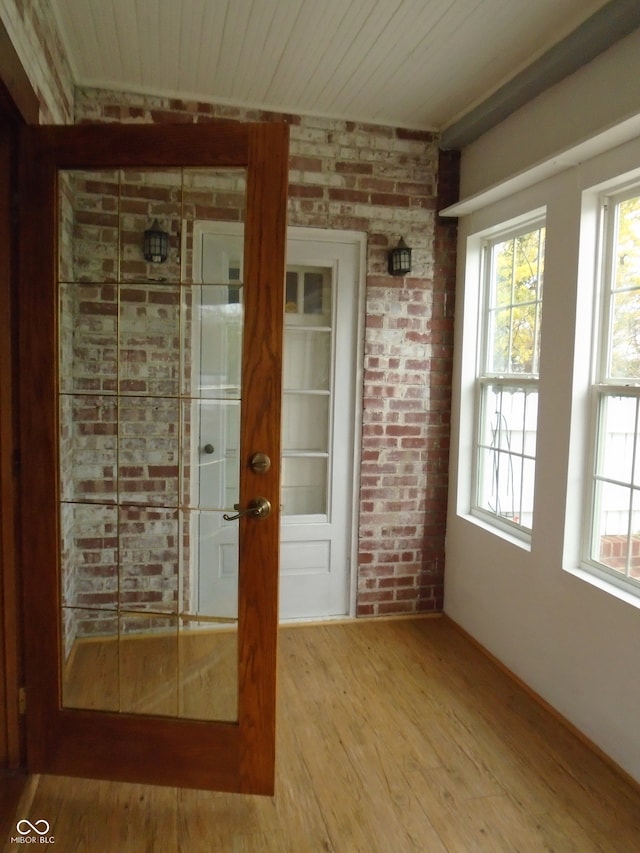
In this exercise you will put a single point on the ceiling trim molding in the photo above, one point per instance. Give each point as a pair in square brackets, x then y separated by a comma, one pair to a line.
[614, 21]
[575, 155]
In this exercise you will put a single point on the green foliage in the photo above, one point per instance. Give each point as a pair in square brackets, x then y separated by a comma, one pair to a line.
[516, 303]
[624, 359]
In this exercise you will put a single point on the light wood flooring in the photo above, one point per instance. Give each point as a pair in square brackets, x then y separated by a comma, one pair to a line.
[393, 736]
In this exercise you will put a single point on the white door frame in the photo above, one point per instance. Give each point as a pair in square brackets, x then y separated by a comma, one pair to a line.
[359, 240]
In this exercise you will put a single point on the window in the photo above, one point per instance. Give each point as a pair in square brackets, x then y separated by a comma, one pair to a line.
[507, 379]
[613, 546]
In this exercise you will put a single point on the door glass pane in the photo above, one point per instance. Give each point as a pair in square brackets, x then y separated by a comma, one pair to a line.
[150, 201]
[304, 490]
[89, 232]
[308, 298]
[211, 466]
[149, 401]
[307, 359]
[149, 340]
[305, 422]
[308, 387]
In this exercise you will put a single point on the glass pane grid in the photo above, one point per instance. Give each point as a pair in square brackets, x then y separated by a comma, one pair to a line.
[507, 415]
[129, 393]
[623, 281]
[514, 304]
[616, 506]
[506, 453]
[307, 400]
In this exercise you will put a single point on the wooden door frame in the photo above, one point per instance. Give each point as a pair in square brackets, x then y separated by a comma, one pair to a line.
[19, 105]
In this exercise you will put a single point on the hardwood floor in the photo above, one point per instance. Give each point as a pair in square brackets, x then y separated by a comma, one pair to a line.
[393, 736]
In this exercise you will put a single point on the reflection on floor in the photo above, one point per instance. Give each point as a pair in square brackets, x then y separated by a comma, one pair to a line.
[392, 736]
[192, 674]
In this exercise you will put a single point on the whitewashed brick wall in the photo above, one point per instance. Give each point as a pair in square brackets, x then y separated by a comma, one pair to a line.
[383, 181]
[34, 34]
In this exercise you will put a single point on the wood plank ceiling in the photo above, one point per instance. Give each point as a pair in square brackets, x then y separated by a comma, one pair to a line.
[410, 63]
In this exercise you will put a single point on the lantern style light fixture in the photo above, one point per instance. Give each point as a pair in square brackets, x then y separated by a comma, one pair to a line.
[155, 245]
[400, 259]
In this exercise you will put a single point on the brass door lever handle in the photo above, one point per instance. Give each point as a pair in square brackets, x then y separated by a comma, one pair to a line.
[258, 508]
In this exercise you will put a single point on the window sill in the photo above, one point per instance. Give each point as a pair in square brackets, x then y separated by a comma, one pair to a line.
[523, 542]
[605, 585]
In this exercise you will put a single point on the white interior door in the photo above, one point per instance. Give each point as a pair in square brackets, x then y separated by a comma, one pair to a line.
[321, 413]
[321, 407]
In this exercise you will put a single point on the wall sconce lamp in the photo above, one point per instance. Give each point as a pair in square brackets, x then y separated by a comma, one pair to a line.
[400, 259]
[155, 245]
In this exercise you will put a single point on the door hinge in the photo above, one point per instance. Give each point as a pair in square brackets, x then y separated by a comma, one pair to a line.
[22, 701]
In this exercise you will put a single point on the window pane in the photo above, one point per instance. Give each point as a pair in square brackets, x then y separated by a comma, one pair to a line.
[509, 419]
[499, 341]
[611, 525]
[624, 352]
[506, 430]
[515, 304]
[617, 438]
[625, 336]
[506, 461]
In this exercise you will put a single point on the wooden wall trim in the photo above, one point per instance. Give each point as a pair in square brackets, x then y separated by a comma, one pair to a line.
[18, 105]
[17, 95]
[9, 735]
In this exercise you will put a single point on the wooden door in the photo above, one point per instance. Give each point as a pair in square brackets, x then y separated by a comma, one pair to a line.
[125, 680]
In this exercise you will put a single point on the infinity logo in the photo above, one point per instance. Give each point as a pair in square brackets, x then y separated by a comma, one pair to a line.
[32, 827]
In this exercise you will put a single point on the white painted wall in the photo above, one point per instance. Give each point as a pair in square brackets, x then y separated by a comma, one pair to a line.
[570, 639]
[594, 99]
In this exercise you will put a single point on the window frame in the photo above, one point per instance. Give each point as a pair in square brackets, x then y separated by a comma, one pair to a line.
[484, 378]
[604, 387]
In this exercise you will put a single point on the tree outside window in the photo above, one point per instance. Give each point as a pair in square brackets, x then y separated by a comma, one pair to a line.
[614, 542]
[508, 379]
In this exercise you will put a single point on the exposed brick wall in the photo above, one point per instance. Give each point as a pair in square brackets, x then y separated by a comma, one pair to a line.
[382, 181]
[34, 34]
[614, 550]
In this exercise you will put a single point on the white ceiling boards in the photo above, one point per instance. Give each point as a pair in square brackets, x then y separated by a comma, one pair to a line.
[408, 63]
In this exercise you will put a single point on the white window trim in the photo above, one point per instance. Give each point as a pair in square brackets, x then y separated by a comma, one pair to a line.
[479, 266]
[590, 569]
